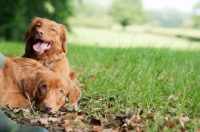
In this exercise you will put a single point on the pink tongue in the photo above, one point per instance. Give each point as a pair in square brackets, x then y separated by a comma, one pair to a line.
[40, 47]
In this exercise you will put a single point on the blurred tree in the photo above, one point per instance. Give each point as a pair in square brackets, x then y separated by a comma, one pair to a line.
[127, 12]
[90, 14]
[165, 17]
[196, 15]
[16, 15]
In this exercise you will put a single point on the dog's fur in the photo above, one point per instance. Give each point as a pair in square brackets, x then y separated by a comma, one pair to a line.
[46, 43]
[24, 78]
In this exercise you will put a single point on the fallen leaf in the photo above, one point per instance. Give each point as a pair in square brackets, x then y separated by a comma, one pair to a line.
[70, 116]
[182, 120]
[136, 118]
[79, 118]
[140, 128]
[128, 112]
[53, 119]
[150, 116]
[97, 128]
[111, 118]
[66, 123]
[108, 130]
[170, 124]
[174, 97]
[17, 110]
[32, 121]
[198, 130]
[44, 121]
[68, 129]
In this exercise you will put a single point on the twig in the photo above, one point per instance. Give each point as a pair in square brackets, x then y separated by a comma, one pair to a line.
[29, 102]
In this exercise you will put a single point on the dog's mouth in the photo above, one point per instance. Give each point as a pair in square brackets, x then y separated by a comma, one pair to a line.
[40, 46]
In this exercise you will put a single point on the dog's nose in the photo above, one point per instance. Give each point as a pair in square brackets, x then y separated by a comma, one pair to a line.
[48, 108]
[40, 32]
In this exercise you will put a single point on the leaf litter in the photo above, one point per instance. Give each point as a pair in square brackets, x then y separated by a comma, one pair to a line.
[130, 120]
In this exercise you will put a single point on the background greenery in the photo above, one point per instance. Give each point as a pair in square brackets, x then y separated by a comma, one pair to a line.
[16, 15]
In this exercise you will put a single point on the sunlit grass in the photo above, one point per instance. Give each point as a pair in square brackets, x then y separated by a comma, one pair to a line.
[137, 38]
[163, 82]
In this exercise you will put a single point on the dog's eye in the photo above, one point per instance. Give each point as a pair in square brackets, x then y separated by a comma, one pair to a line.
[38, 25]
[53, 30]
[60, 91]
[44, 87]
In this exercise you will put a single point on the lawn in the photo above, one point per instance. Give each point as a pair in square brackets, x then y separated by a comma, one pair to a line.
[136, 37]
[158, 87]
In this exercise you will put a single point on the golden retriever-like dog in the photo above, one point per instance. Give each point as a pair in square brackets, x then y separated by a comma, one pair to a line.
[23, 79]
[46, 43]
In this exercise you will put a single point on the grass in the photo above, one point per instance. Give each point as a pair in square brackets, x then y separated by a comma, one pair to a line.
[136, 37]
[164, 82]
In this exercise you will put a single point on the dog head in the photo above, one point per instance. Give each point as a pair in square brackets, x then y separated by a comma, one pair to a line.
[50, 91]
[45, 36]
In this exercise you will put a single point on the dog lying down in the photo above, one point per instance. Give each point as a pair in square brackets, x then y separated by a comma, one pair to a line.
[23, 79]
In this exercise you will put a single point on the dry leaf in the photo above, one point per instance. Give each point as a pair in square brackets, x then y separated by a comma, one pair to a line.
[140, 128]
[16, 110]
[68, 129]
[33, 121]
[136, 118]
[44, 121]
[108, 130]
[182, 120]
[70, 116]
[53, 119]
[66, 123]
[128, 112]
[174, 97]
[170, 124]
[79, 118]
[150, 116]
[198, 130]
[97, 128]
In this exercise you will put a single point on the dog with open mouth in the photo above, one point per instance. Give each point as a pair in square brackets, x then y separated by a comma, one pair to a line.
[46, 43]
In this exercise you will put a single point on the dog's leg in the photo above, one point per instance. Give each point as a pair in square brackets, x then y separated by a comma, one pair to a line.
[14, 99]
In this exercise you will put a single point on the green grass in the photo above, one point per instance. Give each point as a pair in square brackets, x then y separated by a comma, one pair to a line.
[163, 82]
[133, 38]
[139, 78]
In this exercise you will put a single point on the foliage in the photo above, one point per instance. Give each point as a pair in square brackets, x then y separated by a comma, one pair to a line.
[127, 12]
[196, 16]
[164, 18]
[16, 15]
[90, 14]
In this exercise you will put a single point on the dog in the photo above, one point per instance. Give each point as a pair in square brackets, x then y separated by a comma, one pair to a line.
[24, 79]
[46, 43]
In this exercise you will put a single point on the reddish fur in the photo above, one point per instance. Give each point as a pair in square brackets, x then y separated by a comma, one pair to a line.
[22, 78]
[53, 58]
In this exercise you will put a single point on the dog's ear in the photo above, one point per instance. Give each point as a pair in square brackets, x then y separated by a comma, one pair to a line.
[74, 93]
[64, 38]
[72, 75]
[73, 96]
[29, 86]
[27, 35]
